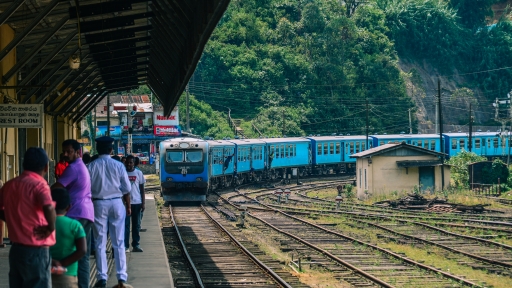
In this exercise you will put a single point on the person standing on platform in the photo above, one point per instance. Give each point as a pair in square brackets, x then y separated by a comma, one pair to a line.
[61, 166]
[27, 207]
[138, 203]
[71, 243]
[77, 181]
[109, 186]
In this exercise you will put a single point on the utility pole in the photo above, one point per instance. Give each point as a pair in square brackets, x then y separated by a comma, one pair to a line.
[93, 128]
[188, 111]
[437, 117]
[367, 124]
[440, 131]
[410, 122]
[107, 133]
[470, 143]
[283, 123]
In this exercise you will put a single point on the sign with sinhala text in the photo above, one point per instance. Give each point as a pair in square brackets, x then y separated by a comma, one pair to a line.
[21, 115]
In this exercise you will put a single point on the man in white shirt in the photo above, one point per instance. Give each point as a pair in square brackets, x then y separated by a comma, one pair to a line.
[138, 204]
[109, 187]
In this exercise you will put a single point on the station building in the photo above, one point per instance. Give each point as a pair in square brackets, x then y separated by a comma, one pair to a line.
[59, 59]
[399, 167]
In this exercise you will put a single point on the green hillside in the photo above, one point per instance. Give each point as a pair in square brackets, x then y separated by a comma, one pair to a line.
[308, 66]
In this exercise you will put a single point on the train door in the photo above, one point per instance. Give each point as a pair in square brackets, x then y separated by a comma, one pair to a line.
[427, 180]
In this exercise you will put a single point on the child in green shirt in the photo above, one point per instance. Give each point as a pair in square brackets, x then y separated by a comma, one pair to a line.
[71, 245]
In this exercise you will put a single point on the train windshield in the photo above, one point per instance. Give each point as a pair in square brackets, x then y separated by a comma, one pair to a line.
[174, 156]
[193, 156]
[188, 156]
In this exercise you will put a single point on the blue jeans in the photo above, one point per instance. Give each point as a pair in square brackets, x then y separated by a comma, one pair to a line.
[83, 263]
[29, 267]
[135, 219]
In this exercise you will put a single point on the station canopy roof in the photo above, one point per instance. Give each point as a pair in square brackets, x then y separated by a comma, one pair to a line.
[120, 45]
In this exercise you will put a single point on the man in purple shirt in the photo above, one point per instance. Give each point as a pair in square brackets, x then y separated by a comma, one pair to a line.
[78, 182]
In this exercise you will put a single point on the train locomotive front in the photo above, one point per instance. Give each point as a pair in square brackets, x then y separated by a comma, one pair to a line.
[184, 169]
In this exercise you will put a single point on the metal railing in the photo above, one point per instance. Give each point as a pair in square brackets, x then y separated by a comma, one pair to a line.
[488, 189]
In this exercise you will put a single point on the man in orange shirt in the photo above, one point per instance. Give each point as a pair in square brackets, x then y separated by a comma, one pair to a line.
[26, 206]
[61, 166]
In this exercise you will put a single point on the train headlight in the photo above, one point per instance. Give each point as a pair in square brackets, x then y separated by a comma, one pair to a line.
[168, 179]
[199, 179]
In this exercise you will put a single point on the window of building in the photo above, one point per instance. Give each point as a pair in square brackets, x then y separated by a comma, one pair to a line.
[365, 180]
[360, 178]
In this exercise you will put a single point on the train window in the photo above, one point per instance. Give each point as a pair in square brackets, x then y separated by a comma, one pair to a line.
[338, 151]
[294, 150]
[432, 144]
[357, 147]
[287, 151]
[420, 143]
[194, 156]
[331, 148]
[477, 143]
[495, 142]
[488, 143]
[319, 149]
[363, 146]
[326, 150]
[382, 143]
[454, 143]
[282, 150]
[174, 156]
[351, 148]
[462, 143]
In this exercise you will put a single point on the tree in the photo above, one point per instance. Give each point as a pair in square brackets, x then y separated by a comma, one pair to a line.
[459, 170]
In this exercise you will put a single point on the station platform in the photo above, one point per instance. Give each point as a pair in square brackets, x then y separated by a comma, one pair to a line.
[147, 269]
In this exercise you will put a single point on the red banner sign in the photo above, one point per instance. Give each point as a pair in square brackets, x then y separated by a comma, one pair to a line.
[160, 130]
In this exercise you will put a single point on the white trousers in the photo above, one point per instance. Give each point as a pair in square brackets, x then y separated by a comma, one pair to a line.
[109, 217]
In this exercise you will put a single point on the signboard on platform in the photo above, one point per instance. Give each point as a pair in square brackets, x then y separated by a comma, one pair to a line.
[173, 130]
[21, 115]
[172, 120]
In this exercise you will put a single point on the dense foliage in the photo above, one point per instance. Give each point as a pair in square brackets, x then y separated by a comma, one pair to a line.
[301, 67]
[305, 66]
[459, 170]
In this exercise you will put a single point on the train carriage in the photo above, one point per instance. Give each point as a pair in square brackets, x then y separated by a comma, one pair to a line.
[250, 161]
[427, 141]
[332, 153]
[184, 169]
[221, 165]
[285, 153]
[488, 144]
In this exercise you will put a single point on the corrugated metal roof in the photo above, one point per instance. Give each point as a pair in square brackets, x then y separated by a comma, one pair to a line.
[124, 43]
[392, 146]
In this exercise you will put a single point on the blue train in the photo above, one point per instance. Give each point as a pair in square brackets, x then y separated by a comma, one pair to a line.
[191, 167]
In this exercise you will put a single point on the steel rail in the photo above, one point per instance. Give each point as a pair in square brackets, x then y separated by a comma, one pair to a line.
[191, 263]
[264, 267]
[328, 254]
[388, 252]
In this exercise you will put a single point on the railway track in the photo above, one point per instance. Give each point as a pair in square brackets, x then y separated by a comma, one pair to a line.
[380, 266]
[214, 256]
[482, 251]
